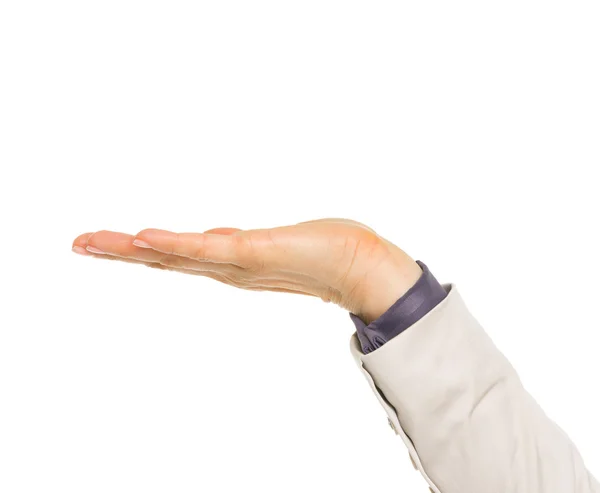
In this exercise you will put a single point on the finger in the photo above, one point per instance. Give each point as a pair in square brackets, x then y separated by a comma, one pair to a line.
[208, 247]
[222, 231]
[178, 262]
[105, 256]
[121, 245]
[115, 244]
[118, 244]
[80, 244]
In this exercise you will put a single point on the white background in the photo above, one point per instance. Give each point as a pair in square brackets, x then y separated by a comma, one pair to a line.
[465, 132]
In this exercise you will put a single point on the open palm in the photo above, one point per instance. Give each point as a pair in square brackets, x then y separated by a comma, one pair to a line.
[338, 260]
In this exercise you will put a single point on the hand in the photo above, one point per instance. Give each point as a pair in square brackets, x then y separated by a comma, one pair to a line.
[338, 260]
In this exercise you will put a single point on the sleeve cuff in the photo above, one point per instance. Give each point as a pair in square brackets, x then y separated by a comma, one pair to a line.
[424, 295]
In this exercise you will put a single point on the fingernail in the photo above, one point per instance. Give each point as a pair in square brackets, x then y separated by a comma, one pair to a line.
[92, 249]
[80, 250]
[141, 244]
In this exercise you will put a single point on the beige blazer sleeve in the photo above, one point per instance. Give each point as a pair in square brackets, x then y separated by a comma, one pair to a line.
[460, 408]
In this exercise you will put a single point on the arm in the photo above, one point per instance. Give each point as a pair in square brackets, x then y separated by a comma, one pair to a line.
[460, 408]
[454, 399]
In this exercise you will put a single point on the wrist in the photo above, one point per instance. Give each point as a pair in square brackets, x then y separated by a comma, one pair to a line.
[386, 285]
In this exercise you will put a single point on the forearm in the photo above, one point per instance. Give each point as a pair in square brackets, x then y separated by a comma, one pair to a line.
[463, 412]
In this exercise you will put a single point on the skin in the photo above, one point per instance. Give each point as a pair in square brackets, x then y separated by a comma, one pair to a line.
[338, 260]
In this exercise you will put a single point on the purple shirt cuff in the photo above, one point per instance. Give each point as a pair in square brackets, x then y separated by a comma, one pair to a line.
[425, 294]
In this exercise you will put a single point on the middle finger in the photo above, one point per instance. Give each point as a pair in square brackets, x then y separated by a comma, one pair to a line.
[121, 245]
